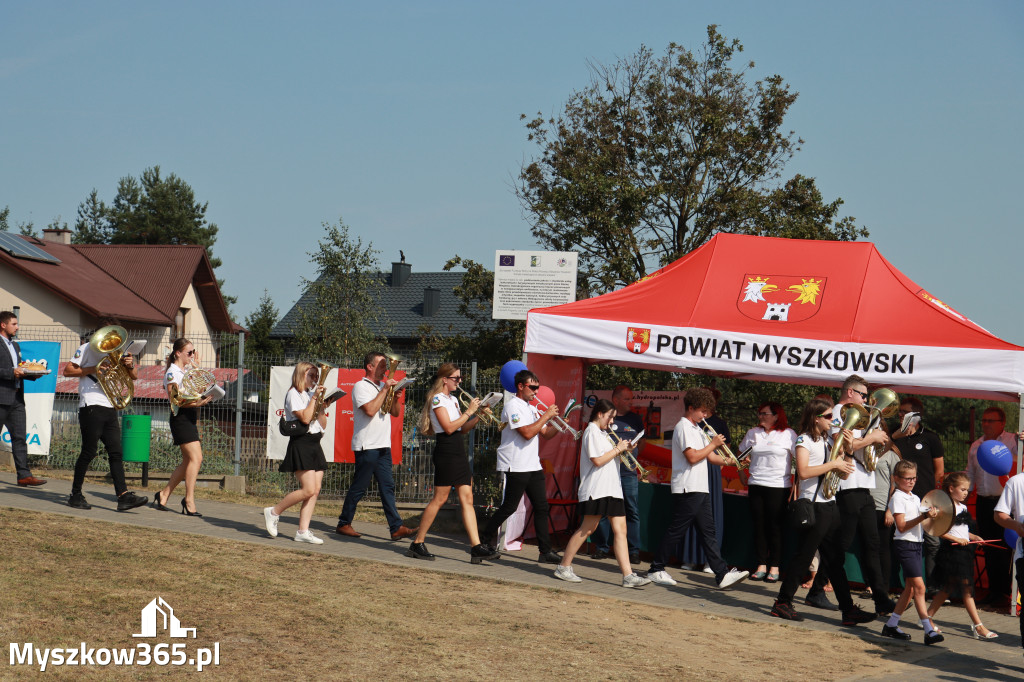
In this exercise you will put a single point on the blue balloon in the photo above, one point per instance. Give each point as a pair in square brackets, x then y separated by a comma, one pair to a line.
[1010, 536]
[995, 458]
[508, 374]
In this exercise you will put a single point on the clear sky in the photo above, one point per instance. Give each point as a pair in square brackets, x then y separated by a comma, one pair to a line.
[402, 118]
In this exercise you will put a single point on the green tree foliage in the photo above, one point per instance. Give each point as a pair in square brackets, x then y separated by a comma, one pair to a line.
[260, 349]
[26, 229]
[658, 154]
[340, 323]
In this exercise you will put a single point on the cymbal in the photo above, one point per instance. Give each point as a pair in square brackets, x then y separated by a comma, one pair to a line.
[944, 521]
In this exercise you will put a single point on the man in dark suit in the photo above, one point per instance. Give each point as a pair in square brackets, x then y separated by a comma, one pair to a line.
[12, 397]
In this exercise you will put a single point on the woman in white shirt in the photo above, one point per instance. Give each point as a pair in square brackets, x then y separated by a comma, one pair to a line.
[770, 482]
[305, 457]
[443, 417]
[600, 494]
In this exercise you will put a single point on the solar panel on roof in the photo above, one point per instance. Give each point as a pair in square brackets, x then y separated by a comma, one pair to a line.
[20, 248]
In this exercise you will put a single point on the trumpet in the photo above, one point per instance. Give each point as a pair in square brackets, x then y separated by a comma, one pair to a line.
[724, 452]
[883, 403]
[485, 414]
[324, 368]
[854, 417]
[389, 399]
[559, 422]
[626, 456]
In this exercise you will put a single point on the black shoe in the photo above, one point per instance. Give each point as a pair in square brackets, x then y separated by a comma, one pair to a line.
[600, 554]
[159, 505]
[896, 633]
[884, 608]
[483, 552]
[857, 616]
[933, 637]
[551, 557]
[130, 500]
[78, 501]
[819, 601]
[186, 512]
[418, 550]
[785, 611]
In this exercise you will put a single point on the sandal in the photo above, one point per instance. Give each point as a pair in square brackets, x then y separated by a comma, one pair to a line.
[772, 578]
[759, 575]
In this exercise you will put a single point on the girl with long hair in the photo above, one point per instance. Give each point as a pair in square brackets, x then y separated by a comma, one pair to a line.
[443, 417]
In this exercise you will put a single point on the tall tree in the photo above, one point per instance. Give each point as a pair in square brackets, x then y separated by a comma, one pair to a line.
[261, 351]
[343, 309]
[26, 229]
[657, 154]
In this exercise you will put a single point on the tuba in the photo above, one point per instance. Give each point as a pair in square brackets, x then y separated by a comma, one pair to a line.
[196, 382]
[325, 369]
[389, 399]
[883, 403]
[854, 417]
[112, 376]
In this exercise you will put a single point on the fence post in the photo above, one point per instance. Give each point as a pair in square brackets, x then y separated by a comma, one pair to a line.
[472, 433]
[239, 385]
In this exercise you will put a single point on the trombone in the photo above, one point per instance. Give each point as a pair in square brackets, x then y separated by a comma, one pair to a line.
[626, 456]
[724, 452]
[486, 415]
[559, 422]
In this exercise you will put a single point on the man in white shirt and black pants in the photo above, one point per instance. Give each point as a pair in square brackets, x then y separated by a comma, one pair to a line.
[371, 443]
[519, 459]
[98, 420]
[1009, 513]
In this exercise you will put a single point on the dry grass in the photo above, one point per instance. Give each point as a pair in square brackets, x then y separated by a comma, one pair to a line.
[287, 615]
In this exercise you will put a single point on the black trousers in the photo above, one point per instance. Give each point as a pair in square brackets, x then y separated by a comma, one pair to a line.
[99, 423]
[768, 513]
[997, 559]
[516, 483]
[13, 417]
[1020, 586]
[857, 519]
[886, 557]
[822, 537]
[691, 509]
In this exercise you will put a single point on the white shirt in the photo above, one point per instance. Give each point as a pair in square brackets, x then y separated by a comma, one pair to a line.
[959, 530]
[1011, 503]
[368, 432]
[173, 375]
[686, 477]
[909, 505]
[448, 403]
[771, 459]
[89, 390]
[517, 454]
[861, 477]
[817, 451]
[985, 483]
[297, 401]
[598, 481]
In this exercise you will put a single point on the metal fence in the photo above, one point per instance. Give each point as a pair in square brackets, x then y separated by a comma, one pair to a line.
[233, 429]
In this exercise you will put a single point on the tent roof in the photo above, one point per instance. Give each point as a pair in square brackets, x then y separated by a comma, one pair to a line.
[828, 299]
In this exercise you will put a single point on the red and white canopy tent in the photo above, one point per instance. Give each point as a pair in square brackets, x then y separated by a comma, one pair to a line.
[785, 310]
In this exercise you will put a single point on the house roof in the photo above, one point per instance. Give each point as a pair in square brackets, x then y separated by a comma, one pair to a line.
[402, 308]
[130, 283]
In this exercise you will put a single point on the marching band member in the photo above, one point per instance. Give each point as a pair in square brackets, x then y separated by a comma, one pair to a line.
[184, 430]
[519, 460]
[98, 420]
[443, 418]
[600, 495]
[305, 456]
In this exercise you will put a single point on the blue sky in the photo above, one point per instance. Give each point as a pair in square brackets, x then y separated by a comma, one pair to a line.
[402, 118]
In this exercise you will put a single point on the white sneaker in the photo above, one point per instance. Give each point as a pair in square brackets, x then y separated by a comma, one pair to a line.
[661, 578]
[307, 536]
[731, 578]
[708, 569]
[634, 580]
[271, 519]
[566, 573]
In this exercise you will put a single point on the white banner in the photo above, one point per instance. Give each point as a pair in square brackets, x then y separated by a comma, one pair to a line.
[923, 369]
[280, 382]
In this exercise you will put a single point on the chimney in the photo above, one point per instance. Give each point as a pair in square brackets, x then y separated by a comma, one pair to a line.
[431, 301]
[400, 273]
[57, 235]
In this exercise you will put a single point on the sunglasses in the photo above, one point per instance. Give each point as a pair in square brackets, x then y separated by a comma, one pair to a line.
[456, 379]
[533, 387]
[862, 394]
[191, 352]
[827, 415]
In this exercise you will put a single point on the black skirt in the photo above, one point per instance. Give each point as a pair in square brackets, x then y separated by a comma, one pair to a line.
[183, 425]
[451, 466]
[603, 506]
[304, 454]
[954, 569]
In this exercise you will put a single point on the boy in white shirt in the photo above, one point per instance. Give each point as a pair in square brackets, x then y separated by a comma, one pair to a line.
[691, 501]
[907, 542]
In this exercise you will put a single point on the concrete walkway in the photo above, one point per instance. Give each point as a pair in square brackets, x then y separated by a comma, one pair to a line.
[959, 657]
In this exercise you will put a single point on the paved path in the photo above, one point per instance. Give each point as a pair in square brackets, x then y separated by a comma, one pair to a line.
[959, 657]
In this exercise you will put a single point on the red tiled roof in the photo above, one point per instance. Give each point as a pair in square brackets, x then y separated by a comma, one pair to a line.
[150, 383]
